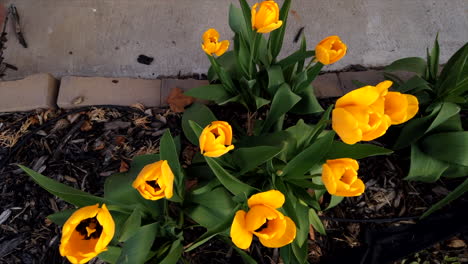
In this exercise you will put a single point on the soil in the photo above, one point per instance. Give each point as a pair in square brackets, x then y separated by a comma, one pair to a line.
[81, 147]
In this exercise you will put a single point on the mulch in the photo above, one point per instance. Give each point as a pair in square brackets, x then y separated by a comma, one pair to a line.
[81, 147]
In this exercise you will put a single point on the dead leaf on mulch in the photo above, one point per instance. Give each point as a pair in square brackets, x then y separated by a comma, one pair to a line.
[86, 126]
[123, 166]
[177, 100]
[457, 243]
[119, 140]
[138, 106]
[311, 232]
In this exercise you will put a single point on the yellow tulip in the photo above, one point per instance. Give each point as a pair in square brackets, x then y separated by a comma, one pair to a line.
[340, 177]
[216, 139]
[273, 229]
[155, 181]
[266, 19]
[86, 233]
[359, 115]
[330, 50]
[211, 45]
[400, 107]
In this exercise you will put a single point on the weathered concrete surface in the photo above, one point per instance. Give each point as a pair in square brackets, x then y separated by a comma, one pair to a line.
[104, 38]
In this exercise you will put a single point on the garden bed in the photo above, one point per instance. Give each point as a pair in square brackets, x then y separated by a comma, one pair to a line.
[81, 147]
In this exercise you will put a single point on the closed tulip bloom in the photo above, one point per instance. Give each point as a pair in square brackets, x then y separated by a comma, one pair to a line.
[340, 177]
[359, 115]
[86, 233]
[330, 50]
[211, 44]
[155, 181]
[266, 18]
[273, 229]
[400, 107]
[216, 139]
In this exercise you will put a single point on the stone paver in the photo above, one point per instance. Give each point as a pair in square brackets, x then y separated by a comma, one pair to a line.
[33, 92]
[370, 77]
[82, 91]
[184, 84]
[327, 85]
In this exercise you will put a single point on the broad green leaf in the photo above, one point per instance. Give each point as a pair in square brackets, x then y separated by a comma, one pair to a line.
[411, 64]
[175, 252]
[259, 101]
[308, 103]
[459, 191]
[277, 36]
[247, 15]
[308, 158]
[275, 79]
[433, 60]
[199, 114]
[450, 82]
[110, 255]
[301, 193]
[295, 58]
[245, 257]
[335, 200]
[414, 85]
[314, 219]
[131, 225]
[61, 217]
[356, 151]
[447, 111]
[212, 92]
[450, 147]
[424, 167]
[455, 171]
[228, 62]
[302, 224]
[250, 158]
[66, 193]
[300, 252]
[300, 66]
[218, 200]
[234, 185]
[448, 68]
[168, 152]
[203, 215]
[223, 74]
[237, 21]
[137, 247]
[283, 100]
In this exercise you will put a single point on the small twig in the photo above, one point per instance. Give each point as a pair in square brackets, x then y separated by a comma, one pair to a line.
[67, 137]
[20, 213]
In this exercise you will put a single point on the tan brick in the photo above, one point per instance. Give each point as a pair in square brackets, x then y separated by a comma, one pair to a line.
[184, 84]
[83, 91]
[327, 85]
[370, 77]
[32, 92]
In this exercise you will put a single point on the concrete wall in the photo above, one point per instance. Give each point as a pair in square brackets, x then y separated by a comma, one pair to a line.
[104, 37]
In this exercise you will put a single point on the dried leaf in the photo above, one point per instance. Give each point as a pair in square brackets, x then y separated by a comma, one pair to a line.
[119, 140]
[177, 100]
[86, 126]
[78, 100]
[138, 106]
[70, 179]
[311, 232]
[123, 166]
[99, 145]
[457, 243]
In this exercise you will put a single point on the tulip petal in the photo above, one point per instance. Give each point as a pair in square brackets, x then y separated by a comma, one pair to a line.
[366, 96]
[346, 126]
[356, 189]
[275, 228]
[219, 152]
[240, 236]
[272, 198]
[413, 106]
[328, 179]
[288, 236]
[322, 55]
[222, 48]
[108, 228]
[167, 179]
[270, 27]
[257, 216]
[210, 33]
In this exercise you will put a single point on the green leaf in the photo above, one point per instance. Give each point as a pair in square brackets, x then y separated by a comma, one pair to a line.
[175, 252]
[433, 60]
[218, 201]
[137, 247]
[424, 167]
[228, 62]
[212, 92]
[245, 257]
[199, 114]
[237, 21]
[295, 58]
[168, 152]
[303, 225]
[277, 36]
[316, 222]
[275, 79]
[250, 158]
[454, 74]
[335, 200]
[308, 103]
[259, 101]
[459, 191]
[61, 217]
[283, 101]
[356, 151]
[299, 165]
[411, 64]
[451, 147]
[300, 252]
[234, 185]
[247, 15]
[110, 255]
[66, 193]
[131, 225]
[414, 85]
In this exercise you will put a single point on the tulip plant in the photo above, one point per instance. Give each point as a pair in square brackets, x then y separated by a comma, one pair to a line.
[259, 183]
[437, 138]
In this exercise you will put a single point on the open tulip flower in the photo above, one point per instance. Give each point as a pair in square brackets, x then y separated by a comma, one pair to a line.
[155, 181]
[211, 45]
[273, 229]
[400, 107]
[360, 116]
[87, 233]
[216, 139]
[266, 18]
[340, 177]
[330, 50]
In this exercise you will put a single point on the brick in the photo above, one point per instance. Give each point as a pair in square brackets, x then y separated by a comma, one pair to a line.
[327, 85]
[184, 84]
[370, 77]
[83, 91]
[33, 92]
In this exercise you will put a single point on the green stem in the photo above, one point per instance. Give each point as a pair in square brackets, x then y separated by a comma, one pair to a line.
[253, 53]
[310, 63]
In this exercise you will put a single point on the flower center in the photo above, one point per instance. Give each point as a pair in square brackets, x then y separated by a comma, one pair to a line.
[260, 229]
[153, 184]
[213, 40]
[89, 228]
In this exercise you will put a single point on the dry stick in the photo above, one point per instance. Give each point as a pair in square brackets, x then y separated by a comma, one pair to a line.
[70, 133]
